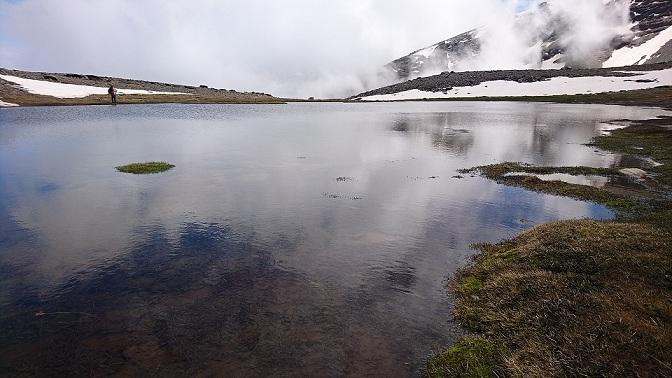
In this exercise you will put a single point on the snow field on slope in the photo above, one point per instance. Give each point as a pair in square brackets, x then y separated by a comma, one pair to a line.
[48, 88]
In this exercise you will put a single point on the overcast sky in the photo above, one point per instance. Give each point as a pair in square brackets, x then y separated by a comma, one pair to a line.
[287, 48]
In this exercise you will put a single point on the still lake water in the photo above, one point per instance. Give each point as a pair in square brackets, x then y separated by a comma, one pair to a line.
[289, 240]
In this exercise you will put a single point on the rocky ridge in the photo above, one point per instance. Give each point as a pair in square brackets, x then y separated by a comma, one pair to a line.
[649, 18]
[448, 80]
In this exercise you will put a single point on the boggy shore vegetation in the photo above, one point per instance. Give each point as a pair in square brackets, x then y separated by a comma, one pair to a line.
[500, 173]
[577, 297]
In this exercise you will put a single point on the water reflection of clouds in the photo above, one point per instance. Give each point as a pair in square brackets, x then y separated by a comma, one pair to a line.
[215, 296]
[242, 216]
[249, 173]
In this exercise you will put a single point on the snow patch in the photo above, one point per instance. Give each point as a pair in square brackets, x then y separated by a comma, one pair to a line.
[7, 104]
[554, 63]
[628, 56]
[426, 52]
[552, 87]
[48, 88]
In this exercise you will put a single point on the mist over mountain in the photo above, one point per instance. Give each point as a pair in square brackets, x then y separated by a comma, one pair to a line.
[553, 34]
[291, 48]
[320, 48]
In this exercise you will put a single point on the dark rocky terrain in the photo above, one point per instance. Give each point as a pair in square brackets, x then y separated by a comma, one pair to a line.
[649, 18]
[447, 80]
[13, 93]
[444, 55]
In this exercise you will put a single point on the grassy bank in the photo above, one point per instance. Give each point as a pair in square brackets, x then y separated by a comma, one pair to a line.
[578, 297]
[26, 99]
[183, 94]
[645, 97]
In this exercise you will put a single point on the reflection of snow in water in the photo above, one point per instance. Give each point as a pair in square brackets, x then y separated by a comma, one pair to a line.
[591, 180]
[244, 223]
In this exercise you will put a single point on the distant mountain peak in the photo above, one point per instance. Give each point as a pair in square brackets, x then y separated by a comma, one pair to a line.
[545, 31]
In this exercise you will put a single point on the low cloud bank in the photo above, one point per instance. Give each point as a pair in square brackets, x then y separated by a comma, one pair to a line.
[294, 48]
[585, 31]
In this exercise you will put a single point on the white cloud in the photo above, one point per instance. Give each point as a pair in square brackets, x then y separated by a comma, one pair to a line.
[321, 48]
[290, 48]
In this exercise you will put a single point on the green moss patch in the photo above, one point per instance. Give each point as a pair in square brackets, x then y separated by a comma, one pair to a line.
[473, 357]
[145, 168]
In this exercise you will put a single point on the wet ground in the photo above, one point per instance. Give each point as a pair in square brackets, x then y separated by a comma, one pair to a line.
[301, 239]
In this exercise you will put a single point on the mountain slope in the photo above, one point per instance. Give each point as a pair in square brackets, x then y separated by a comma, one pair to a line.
[648, 41]
[23, 88]
[520, 83]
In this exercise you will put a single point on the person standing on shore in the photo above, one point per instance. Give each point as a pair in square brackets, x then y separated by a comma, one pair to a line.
[113, 94]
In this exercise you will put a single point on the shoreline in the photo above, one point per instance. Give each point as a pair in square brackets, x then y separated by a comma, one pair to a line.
[34, 100]
[659, 97]
[576, 297]
[68, 89]
[121, 101]
[25, 88]
[655, 97]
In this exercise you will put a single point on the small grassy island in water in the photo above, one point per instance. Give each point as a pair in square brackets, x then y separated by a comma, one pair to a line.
[145, 168]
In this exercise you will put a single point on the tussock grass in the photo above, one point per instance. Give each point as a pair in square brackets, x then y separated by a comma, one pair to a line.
[145, 168]
[574, 298]
[577, 297]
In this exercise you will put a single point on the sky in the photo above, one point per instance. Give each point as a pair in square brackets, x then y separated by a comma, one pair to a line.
[287, 48]
[292, 48]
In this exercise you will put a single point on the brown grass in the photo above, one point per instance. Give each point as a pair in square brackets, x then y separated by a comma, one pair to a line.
[578, 297]
[27, 99]
[575, 298]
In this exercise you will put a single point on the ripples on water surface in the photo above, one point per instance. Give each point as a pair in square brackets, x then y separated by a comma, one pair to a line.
[251, 257]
